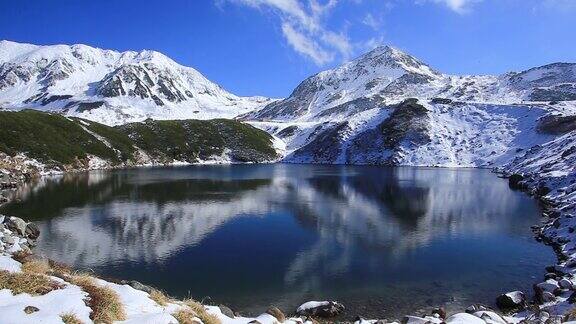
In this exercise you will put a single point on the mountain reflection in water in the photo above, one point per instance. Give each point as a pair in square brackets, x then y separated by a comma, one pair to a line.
[383, 239]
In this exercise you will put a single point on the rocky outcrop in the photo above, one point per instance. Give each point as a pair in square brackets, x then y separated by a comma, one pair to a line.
[17, 235]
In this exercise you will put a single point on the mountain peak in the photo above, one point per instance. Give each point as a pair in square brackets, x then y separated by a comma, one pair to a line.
[393, 57]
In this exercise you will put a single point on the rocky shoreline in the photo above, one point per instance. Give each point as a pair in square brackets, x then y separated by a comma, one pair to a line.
[553, 297]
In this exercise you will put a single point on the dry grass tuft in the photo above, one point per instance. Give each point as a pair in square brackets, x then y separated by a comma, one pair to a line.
[29, 283]
[159, 297]
[59, 269]
[104, 302]
[70, 318]
[185, 316]
[201, 312]
[36, 266]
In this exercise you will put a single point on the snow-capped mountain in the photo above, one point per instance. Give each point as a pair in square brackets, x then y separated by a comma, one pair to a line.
[111, 87]
[387, 107]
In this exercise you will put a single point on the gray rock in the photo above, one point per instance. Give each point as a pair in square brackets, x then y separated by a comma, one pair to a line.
[137, 285]
[440, 312]
[323, 309]
[544, 289]
[566, 284]
[8, 239]
[546, 297]
[31, 242]
[31, 309]
[490, 317]
[226, 311]
[32, 231]
[511, 302]
[16, 224]
[477, 307]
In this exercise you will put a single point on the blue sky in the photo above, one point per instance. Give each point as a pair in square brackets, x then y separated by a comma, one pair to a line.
[266, 47]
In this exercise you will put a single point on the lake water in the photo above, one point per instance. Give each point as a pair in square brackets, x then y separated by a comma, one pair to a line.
[384, 241]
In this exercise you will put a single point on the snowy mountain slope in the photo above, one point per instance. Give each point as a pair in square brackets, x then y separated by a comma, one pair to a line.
[387, 76]
[363, 113]
[111, 87]
[367, 82]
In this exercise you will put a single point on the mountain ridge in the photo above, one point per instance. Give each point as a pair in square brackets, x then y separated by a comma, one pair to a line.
[340, 115]
[110, 86]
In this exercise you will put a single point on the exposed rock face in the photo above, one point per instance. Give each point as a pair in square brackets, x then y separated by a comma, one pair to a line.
[557, 125]
[408, 122]
[337, 143]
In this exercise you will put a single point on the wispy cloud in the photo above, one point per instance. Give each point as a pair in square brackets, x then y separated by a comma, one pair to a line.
[305, 45]
[459, 6]
[303, 24]
[371, 21]
[303, 27]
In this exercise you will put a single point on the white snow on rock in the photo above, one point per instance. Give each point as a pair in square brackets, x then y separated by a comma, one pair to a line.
[9, 264]
[464, 318]
[311, 304]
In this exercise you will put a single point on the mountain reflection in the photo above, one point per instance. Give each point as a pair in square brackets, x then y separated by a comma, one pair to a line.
[359, 222]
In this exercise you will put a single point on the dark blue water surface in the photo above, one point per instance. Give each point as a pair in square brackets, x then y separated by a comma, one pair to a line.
[385, 241]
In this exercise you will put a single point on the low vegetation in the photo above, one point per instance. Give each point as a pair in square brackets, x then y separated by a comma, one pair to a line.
[27, 283]
[61, 141]
[193, 140]
[201, 312]
[36, 266]
[104, 302]
[159, 297]
[47, 137]
[185, 316]
[70, 318]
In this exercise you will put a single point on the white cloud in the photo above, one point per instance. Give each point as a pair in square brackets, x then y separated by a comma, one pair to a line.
[459, 6]
[302, 23]
[371, 21]
[305, 46]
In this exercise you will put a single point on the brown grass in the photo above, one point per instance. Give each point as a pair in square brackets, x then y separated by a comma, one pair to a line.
[104, 302]
[70, 318]
[59, 269]
[201, 312]
[21, 255]
[29, 283]
[185, 316]
[159, 297]
[36, 266]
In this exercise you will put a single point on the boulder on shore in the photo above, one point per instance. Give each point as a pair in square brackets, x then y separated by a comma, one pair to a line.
[324, 309]
[515, 181]
[511, 301]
